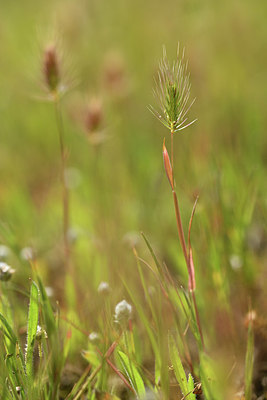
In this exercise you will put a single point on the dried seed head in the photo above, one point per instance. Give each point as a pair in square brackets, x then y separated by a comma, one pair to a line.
[114, 75]
[94, 116]
[172, 91]
[123, 312]
[6, 272]
[51, 68]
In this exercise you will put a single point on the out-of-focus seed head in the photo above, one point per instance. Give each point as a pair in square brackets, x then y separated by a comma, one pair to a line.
[94, 337]
[27, 254]
[94, 115]
[172, 90]
[131, 239]
[114, 75]
[4, 252]
[236, 262]
[51, 68]
[18, 389]
[49, 291]
[123, 312]
[40, 333]
[250, 317]
[104, 288]
[6, 272]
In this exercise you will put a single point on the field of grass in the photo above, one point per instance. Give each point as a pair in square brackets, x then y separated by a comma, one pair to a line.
[97, 293]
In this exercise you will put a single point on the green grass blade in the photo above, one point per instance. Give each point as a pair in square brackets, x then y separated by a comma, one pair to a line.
[209, 379]
[191, 386]
[145, 321]
[32, 329]
[152, 253]
[47, 310]
[178, 366]
[132, 374]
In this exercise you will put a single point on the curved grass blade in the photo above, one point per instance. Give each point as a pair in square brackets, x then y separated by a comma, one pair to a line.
[132, 374]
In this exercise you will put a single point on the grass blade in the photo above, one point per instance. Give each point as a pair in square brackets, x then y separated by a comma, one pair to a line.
[132, 374]
[178, 366]
[32, 329]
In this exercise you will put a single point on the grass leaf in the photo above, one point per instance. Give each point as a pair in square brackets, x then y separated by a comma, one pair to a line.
[32, 329]
[178, 366]
[132, 374]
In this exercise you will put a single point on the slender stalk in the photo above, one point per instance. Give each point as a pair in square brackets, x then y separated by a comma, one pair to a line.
[186, 257]
[180, 227]
[172, 163]
[65, 192]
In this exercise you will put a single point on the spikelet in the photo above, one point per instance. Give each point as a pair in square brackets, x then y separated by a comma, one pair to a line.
[172, 90]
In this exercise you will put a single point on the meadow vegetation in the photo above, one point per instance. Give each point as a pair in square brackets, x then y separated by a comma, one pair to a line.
[125, 274]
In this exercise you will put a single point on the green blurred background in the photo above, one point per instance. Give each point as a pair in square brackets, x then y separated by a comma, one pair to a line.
[110, 50]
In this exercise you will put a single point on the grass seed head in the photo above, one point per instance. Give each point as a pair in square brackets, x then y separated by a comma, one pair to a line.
[172, 90]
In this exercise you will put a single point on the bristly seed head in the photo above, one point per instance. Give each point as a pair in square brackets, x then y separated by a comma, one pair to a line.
[172, 91]
[51, 68]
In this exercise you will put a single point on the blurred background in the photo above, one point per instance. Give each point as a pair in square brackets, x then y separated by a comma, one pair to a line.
[109, 58]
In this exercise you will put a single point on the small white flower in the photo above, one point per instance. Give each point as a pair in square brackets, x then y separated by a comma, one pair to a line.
[235, 262]
[94, 337]
[5, 272]
[123, 312]
[27, 254]
[40, 333]
[4, 252]
[49, 291]
[103, 288]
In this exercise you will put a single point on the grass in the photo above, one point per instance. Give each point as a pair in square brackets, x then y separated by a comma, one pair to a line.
[192, 324]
